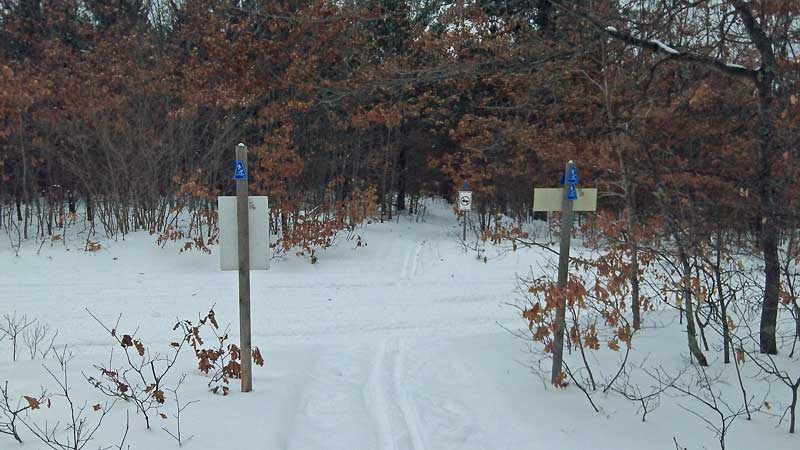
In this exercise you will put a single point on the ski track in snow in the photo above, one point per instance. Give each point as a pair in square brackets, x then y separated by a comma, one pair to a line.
[394, 413]
[416, 260]
[330, 414]
[382, 417]
[409, 411]
[411, 264]
[375, 398]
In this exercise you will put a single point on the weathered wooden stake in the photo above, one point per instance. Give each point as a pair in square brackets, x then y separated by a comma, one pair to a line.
[563, 273]
[464, 234]
[243, 222]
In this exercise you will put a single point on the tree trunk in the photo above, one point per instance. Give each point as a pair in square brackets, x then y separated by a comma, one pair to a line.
[770, 189]
[769, 309]
[769, 226]
[25, 225]
[691, 332]
[19, 208]
[796, 309]
[72, 204]
[544, 16]
[89, 209]
[634, 278]
[723, 307]
[793, 409]
[400, 205]
[630, 210]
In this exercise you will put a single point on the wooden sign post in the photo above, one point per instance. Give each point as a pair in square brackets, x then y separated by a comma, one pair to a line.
[568, 199]
[243, 246]
[465, 206]
[243, 221]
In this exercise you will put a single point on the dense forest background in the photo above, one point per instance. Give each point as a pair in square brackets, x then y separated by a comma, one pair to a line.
[124, 114]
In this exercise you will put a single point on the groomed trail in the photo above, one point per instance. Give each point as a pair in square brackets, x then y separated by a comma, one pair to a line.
[399, 345]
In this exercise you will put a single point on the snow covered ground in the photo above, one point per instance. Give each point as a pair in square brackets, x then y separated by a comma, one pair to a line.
[399, 345]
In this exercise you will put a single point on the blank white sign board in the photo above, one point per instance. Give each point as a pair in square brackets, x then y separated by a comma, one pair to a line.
[549, 199]
[259, 233]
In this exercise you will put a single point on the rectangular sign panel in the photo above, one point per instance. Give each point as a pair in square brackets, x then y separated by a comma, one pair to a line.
[259, 233]
[465, 200]
[549, 199]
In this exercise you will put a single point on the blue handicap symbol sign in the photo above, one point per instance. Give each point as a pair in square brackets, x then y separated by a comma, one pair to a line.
[573, 175]
[572, 192]
[239, 172]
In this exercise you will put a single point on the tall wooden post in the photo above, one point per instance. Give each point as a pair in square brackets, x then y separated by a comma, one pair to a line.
[464, 233]
[563, 273]
[243, 227]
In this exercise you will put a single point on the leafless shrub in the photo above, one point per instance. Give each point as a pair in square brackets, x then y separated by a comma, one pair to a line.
[10, 414]
[39, 339]
[121, 445]
[771, 369]
[12, 326]
[80, 428]
[647, 399]
[140, 379]
[179, 408]
[700, 389]
[581, 384]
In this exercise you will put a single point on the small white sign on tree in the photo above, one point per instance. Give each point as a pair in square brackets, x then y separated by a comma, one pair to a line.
[258, 219]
